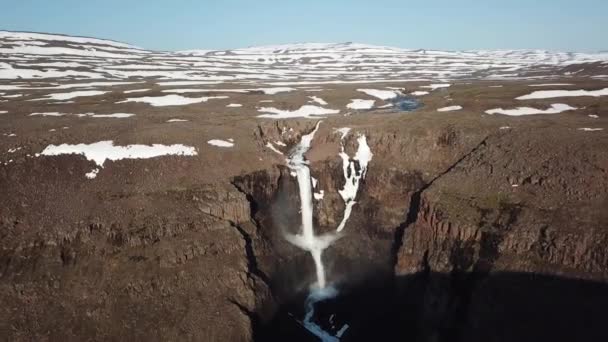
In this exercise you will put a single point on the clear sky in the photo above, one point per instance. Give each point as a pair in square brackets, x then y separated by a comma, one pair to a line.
[580, 25]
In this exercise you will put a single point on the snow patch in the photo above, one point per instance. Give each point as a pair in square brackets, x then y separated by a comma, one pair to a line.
[550, 85]
[48, 114]
[72, 95]
[555, 108]
[548, 94]
[102, 151]
[381, 94]
[318, 100]
[113, 116]
[449, 109]
[136, 91]
[354, 170]
[306, 111]
[359, 104]
[220, 143]
[343, 132]
[271, 146]
[90, 115]
[437, 86]
[171, 100]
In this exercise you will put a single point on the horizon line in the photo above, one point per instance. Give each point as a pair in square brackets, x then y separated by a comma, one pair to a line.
[295, 43]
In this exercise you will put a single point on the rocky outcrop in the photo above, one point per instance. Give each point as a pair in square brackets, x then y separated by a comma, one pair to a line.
[176, 269]
[494, 231]
[534, 216]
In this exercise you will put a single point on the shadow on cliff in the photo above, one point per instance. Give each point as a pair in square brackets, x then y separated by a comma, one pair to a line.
[455, 307]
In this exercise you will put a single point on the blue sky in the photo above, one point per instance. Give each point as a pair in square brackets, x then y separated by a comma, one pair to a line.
[579, 25]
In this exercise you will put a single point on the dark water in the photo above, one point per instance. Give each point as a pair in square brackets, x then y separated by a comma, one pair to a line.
[406, 103]
[368, 312]
[452, 307]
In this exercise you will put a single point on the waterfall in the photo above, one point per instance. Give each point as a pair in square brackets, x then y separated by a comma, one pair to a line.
[307, 240]
[354, 170]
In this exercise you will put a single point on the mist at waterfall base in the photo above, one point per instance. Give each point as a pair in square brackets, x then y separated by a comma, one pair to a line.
[321, 323]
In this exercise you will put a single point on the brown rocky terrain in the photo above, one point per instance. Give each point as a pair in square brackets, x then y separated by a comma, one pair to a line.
[468, 226]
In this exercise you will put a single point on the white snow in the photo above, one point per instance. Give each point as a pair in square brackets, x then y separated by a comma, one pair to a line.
[48, 114]
[587, 129]
[177, 120]
[449, 109]
[381, 94]
[220, 143]
[114, 115]
[548, 94]
[318, 100]
[8, 72]
[275, 90]
[3, 111]
[72, 95]
[437, 86]
[266, 91]
[419, 93]
[343, 131]
[354, 170]
[555, 108]
[550, 84]
[359, 104]
[201, 90]
[271, 146]
[68, 85]
[593, 116]
[90, 115]
[136, 91]
[92, 174]
[306, 111]
[171, 100]
[102, 151]
[319, 195]
[88, 58]
[28, 36]
[186, 83]
[234, 105]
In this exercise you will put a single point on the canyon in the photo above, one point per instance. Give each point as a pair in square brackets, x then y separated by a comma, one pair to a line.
[185, 218]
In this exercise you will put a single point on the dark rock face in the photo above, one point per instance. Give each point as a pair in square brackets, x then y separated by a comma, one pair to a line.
[512, 260]
[110, 275]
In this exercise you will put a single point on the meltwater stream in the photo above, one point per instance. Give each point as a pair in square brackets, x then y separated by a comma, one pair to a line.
[354, 171]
